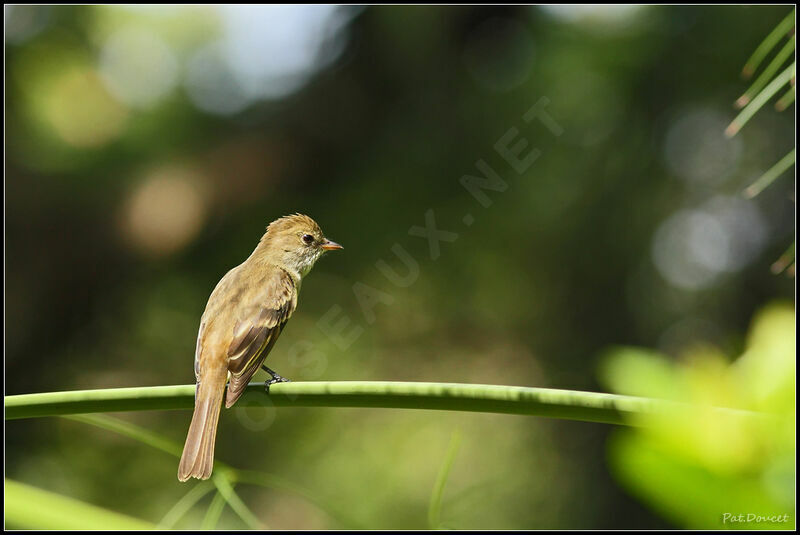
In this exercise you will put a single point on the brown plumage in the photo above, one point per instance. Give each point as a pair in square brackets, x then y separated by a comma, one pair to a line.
[243, 318]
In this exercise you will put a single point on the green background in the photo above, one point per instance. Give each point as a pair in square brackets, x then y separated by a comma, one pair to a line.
[628, 230]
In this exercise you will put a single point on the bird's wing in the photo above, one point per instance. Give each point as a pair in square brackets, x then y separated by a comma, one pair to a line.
[256, 331]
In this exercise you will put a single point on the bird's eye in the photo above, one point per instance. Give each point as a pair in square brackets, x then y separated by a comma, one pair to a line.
[308, 239]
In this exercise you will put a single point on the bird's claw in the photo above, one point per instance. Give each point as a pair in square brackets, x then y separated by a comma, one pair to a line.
[274, 379]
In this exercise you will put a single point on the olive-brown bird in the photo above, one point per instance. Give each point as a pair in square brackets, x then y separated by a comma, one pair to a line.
[243, 318]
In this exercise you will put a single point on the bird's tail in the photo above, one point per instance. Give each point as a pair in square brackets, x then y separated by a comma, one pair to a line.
[198, 452]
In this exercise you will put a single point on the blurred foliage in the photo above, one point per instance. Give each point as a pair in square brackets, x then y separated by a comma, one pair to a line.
[694, 467]
[148, 147]
[27, 507]
[757, 95]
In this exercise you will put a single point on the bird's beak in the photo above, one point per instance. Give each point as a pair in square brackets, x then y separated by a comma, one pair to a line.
[331, 245]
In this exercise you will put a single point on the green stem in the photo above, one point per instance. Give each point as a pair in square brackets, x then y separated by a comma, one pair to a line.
[231, 475]
[185, 504]
[786, 100]
[273, 482]
[767, 44]
[214, 512]
[566, 404]
[129, 430]
[225, 489]
[784, 262]
[761, 99]
[769, 177]
[435, 507]
[767, 73]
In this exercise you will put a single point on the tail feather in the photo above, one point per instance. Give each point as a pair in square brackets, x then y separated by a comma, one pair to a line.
[198, 452]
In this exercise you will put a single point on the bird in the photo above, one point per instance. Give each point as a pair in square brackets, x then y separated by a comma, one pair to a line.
[243, 318]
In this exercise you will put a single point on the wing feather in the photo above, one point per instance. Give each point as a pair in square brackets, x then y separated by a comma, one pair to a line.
[256, 332]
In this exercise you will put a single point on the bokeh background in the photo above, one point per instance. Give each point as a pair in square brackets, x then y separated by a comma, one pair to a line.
[148, 147]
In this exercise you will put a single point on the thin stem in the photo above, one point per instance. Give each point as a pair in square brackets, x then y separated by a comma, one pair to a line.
[784, 54]
[145, 436]
[566, 404]
[768, 44]
[225, 489]
[784, 262]
[129, 430]
[273, 482]
[213, 512]
[173, 448]
[769, 177]
[762, 98]
[159, 442]
[183, 505]
[786, 100]
[435, 507]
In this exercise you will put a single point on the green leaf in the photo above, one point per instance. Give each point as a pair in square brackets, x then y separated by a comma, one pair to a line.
[688, 494]
[29, 507]
[696, 467]
[637, 371]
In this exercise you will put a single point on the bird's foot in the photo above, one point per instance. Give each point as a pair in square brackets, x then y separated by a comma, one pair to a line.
[275, 378]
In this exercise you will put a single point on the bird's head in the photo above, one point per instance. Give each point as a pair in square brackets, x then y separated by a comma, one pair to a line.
[295, 243]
